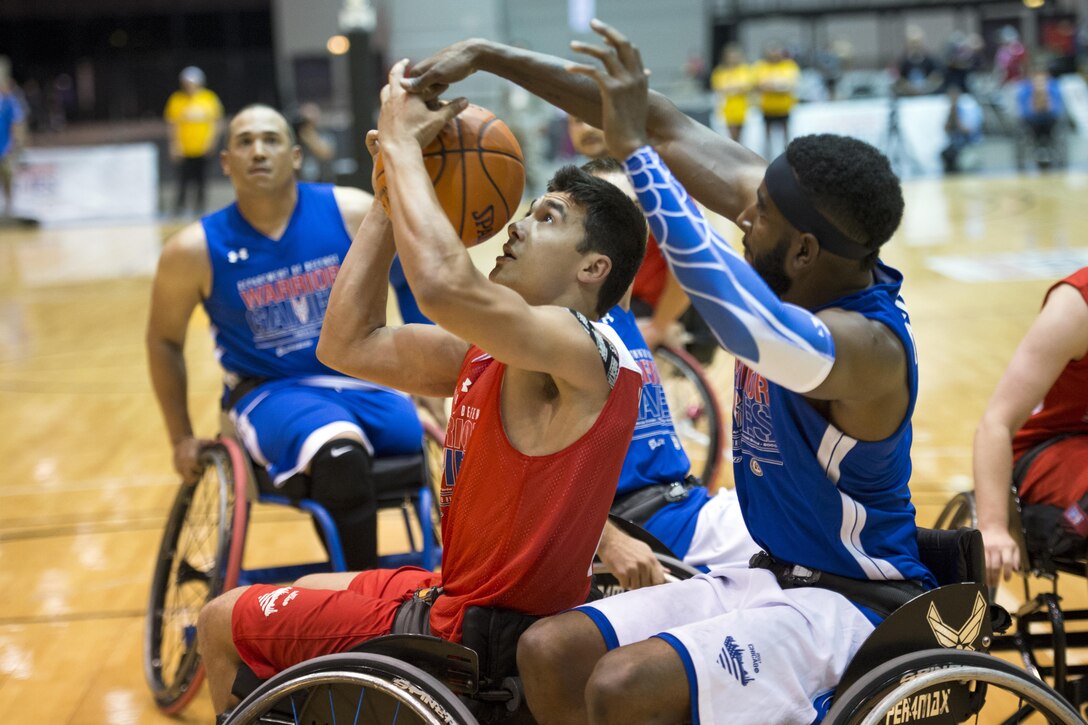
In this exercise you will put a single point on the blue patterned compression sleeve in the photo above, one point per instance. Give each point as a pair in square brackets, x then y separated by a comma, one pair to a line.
[782, 342]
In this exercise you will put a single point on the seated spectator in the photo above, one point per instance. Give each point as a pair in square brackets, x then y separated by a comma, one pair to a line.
[963, 128]
[919, 72]
[1039, 103]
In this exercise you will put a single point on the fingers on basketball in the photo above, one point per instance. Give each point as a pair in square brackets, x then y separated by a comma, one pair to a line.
[478, 172]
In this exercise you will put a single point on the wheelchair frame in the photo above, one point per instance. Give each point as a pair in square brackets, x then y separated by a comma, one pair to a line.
[915, 667]
[1043, 610]
[188, 573]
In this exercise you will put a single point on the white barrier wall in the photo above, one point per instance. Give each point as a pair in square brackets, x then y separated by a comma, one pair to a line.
[118, 182]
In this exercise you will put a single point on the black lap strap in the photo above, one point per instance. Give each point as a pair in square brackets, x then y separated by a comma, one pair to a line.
[609, 356]
[640, 505]
[414, 615]
[882, 597]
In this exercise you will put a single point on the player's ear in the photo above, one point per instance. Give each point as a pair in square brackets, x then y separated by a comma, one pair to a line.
[223, 162]
[296, 157]
[595, 268]
[805, 249]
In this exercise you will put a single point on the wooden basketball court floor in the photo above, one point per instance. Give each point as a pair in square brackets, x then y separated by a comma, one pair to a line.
[87, 479]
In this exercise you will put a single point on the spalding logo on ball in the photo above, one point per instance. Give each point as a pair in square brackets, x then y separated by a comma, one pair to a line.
[478, 173]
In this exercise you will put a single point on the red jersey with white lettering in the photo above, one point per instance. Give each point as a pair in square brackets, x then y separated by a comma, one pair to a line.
[519, 532]
[1064, 410]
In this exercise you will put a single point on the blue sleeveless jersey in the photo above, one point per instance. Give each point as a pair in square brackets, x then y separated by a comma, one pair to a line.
[814, 496]
[655, 454]
[269, 297]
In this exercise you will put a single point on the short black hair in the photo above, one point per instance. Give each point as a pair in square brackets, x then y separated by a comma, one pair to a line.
[291, 137]
[614, 227]
[603, 165]
[852, 184]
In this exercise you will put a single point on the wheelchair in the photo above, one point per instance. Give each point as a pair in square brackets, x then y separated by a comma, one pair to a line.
[203, 545]
[1050, 153]
[696, 413]
[926, 662]
[1041, 638]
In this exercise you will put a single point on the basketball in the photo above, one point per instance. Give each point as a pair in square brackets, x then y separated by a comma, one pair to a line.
[478, 173]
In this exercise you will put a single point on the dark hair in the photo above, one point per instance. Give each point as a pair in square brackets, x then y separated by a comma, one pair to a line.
[253, 106]
[614, 227]
[852, 184]
[602, 165]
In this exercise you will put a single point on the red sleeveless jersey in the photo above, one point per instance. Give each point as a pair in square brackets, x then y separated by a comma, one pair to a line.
[519, 532]
[1065, 408]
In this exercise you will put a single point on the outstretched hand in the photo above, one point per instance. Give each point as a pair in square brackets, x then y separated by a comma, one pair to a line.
[408, 116]
[624, 88]
[431, 77]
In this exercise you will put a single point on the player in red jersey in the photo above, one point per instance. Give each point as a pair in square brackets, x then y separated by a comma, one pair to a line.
[543, 410]
[1039, 409]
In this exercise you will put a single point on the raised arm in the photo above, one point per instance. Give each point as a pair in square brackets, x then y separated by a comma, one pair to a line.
[1058, 335]
[419, 359]
[183, 277]
[820, 355]
[719, 173]
[450, 290]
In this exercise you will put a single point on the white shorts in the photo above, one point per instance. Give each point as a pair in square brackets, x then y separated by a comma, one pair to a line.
[721, 537]
[753, 652]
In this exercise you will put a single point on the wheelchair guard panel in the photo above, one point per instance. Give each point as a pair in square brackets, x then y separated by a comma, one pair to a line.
[955, 616]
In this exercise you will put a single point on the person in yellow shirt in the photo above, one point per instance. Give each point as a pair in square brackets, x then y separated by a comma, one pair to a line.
[776, 79]
[195, 116]
[733, 81]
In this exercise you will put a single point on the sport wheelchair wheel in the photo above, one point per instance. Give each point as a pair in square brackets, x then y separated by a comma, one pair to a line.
[352, 688]
[949, 686]
[434, 449]
[695, 412]
[199, 558]
[959, 513]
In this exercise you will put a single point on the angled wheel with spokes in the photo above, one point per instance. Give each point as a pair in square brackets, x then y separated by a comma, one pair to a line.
[352, 688]
[199, 558]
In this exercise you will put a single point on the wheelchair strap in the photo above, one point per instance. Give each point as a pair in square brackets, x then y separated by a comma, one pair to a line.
[882, 597]
[1020, 470]
[414, 615]
[640, 505]
[240, 390]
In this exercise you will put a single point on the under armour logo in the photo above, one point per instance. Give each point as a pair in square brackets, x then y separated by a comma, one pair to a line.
[233, 256]
[465, 385]
[962, 638]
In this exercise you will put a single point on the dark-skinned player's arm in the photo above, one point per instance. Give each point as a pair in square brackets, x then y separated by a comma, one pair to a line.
[720, 173]
[419, 359]
[821, 356]
[449, 288]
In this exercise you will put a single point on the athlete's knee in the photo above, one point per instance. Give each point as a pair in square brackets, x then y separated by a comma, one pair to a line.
[615, 679]
[214, 622]
[556, 641]
[340, 475]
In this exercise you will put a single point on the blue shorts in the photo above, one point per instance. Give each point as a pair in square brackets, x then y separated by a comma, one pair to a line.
[283, 423]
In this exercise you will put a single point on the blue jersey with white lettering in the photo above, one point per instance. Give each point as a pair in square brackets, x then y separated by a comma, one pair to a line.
[269, 296]
[813, 495]
[655, 454]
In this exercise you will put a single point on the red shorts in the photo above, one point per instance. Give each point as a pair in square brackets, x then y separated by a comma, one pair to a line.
[1059, 474]
[276, 627]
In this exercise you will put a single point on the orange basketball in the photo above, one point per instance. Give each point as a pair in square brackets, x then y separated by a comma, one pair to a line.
[478, 173]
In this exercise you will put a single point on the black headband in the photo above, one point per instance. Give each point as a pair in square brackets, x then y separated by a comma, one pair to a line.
[799, 211]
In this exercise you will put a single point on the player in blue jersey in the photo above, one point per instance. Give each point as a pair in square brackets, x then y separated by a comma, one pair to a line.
[826, 382]
[263, 269]
[654, 489]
